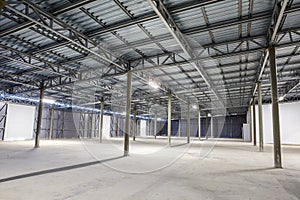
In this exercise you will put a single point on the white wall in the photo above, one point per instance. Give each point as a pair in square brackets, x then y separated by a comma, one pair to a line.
[290, 123]
[143, 128]
[19, 122]
[289, 114]
[106, 126]
[246, 132]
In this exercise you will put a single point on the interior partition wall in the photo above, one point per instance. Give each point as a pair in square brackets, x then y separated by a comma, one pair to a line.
[289, 123]
[223, 126]
[74, 124]
[19, 124]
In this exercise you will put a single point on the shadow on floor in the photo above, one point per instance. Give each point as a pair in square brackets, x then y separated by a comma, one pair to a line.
[177, 145]
[238, 171]
[66, 168]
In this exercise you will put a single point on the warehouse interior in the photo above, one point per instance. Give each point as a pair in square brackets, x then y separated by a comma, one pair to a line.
[150, 99]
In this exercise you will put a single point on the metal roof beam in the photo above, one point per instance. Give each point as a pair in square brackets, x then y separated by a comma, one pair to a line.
[81, 39]
[69, 6]
[275, 26]
[151, 16]
[167, 20]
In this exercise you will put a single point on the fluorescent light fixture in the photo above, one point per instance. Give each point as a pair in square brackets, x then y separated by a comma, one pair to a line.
[281, 98]
[195, 107]
[49, 101]
[153, 84]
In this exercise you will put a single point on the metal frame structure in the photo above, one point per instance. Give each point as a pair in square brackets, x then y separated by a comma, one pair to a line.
[211, 60]
[212, 53]
[3, 114]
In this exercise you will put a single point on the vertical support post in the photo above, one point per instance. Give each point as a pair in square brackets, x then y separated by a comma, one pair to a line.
[261, 134]
[62, 124]
[254, 123]
[179, 128]
[148, 133]
[90, 124]
[117, 126]
[169, 116]
[134, 123]
[206, 125]
[251, 123]
[51, 124]
[101, 121]
[155, 126]
[231, 128]
[212, 126]
[199, 124]
[39, 119]
[5, 106]
[127, 120]
[275, 109]
[188, 122]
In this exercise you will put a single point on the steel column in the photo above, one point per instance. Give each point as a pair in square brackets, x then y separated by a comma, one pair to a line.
[251, 123]
[206, 125]
[254, 123]
[188, 122]
[155, 126]
[90, 125]
[179, 128]
[39, 119]
[4, 117]
[261, 134]
[127, 120]
[101, 122]
[212, 126]
[117, 126]
[134, 123]
[199, 124]
[275, 109]
[51, 123]
[169, 116]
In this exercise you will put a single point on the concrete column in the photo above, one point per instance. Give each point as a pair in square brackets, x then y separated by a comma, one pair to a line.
[199, 124]
[39, 119]
[155, 126]
[51, 124]
[127, 120]
[188, 134]
[251, 123]
[169, 116]
[212, 126]
[275, 109]
[101, 122]
[261, 134]
[206, 125]
[134, 123]
[254, 123]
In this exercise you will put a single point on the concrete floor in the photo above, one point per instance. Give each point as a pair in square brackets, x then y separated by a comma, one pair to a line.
[77, 169]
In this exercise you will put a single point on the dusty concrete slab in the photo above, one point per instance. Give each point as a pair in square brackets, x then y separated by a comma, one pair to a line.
[85, 169]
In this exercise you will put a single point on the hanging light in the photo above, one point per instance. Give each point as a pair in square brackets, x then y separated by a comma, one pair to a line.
[49, 101]
[281, 98]
[153, 84]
